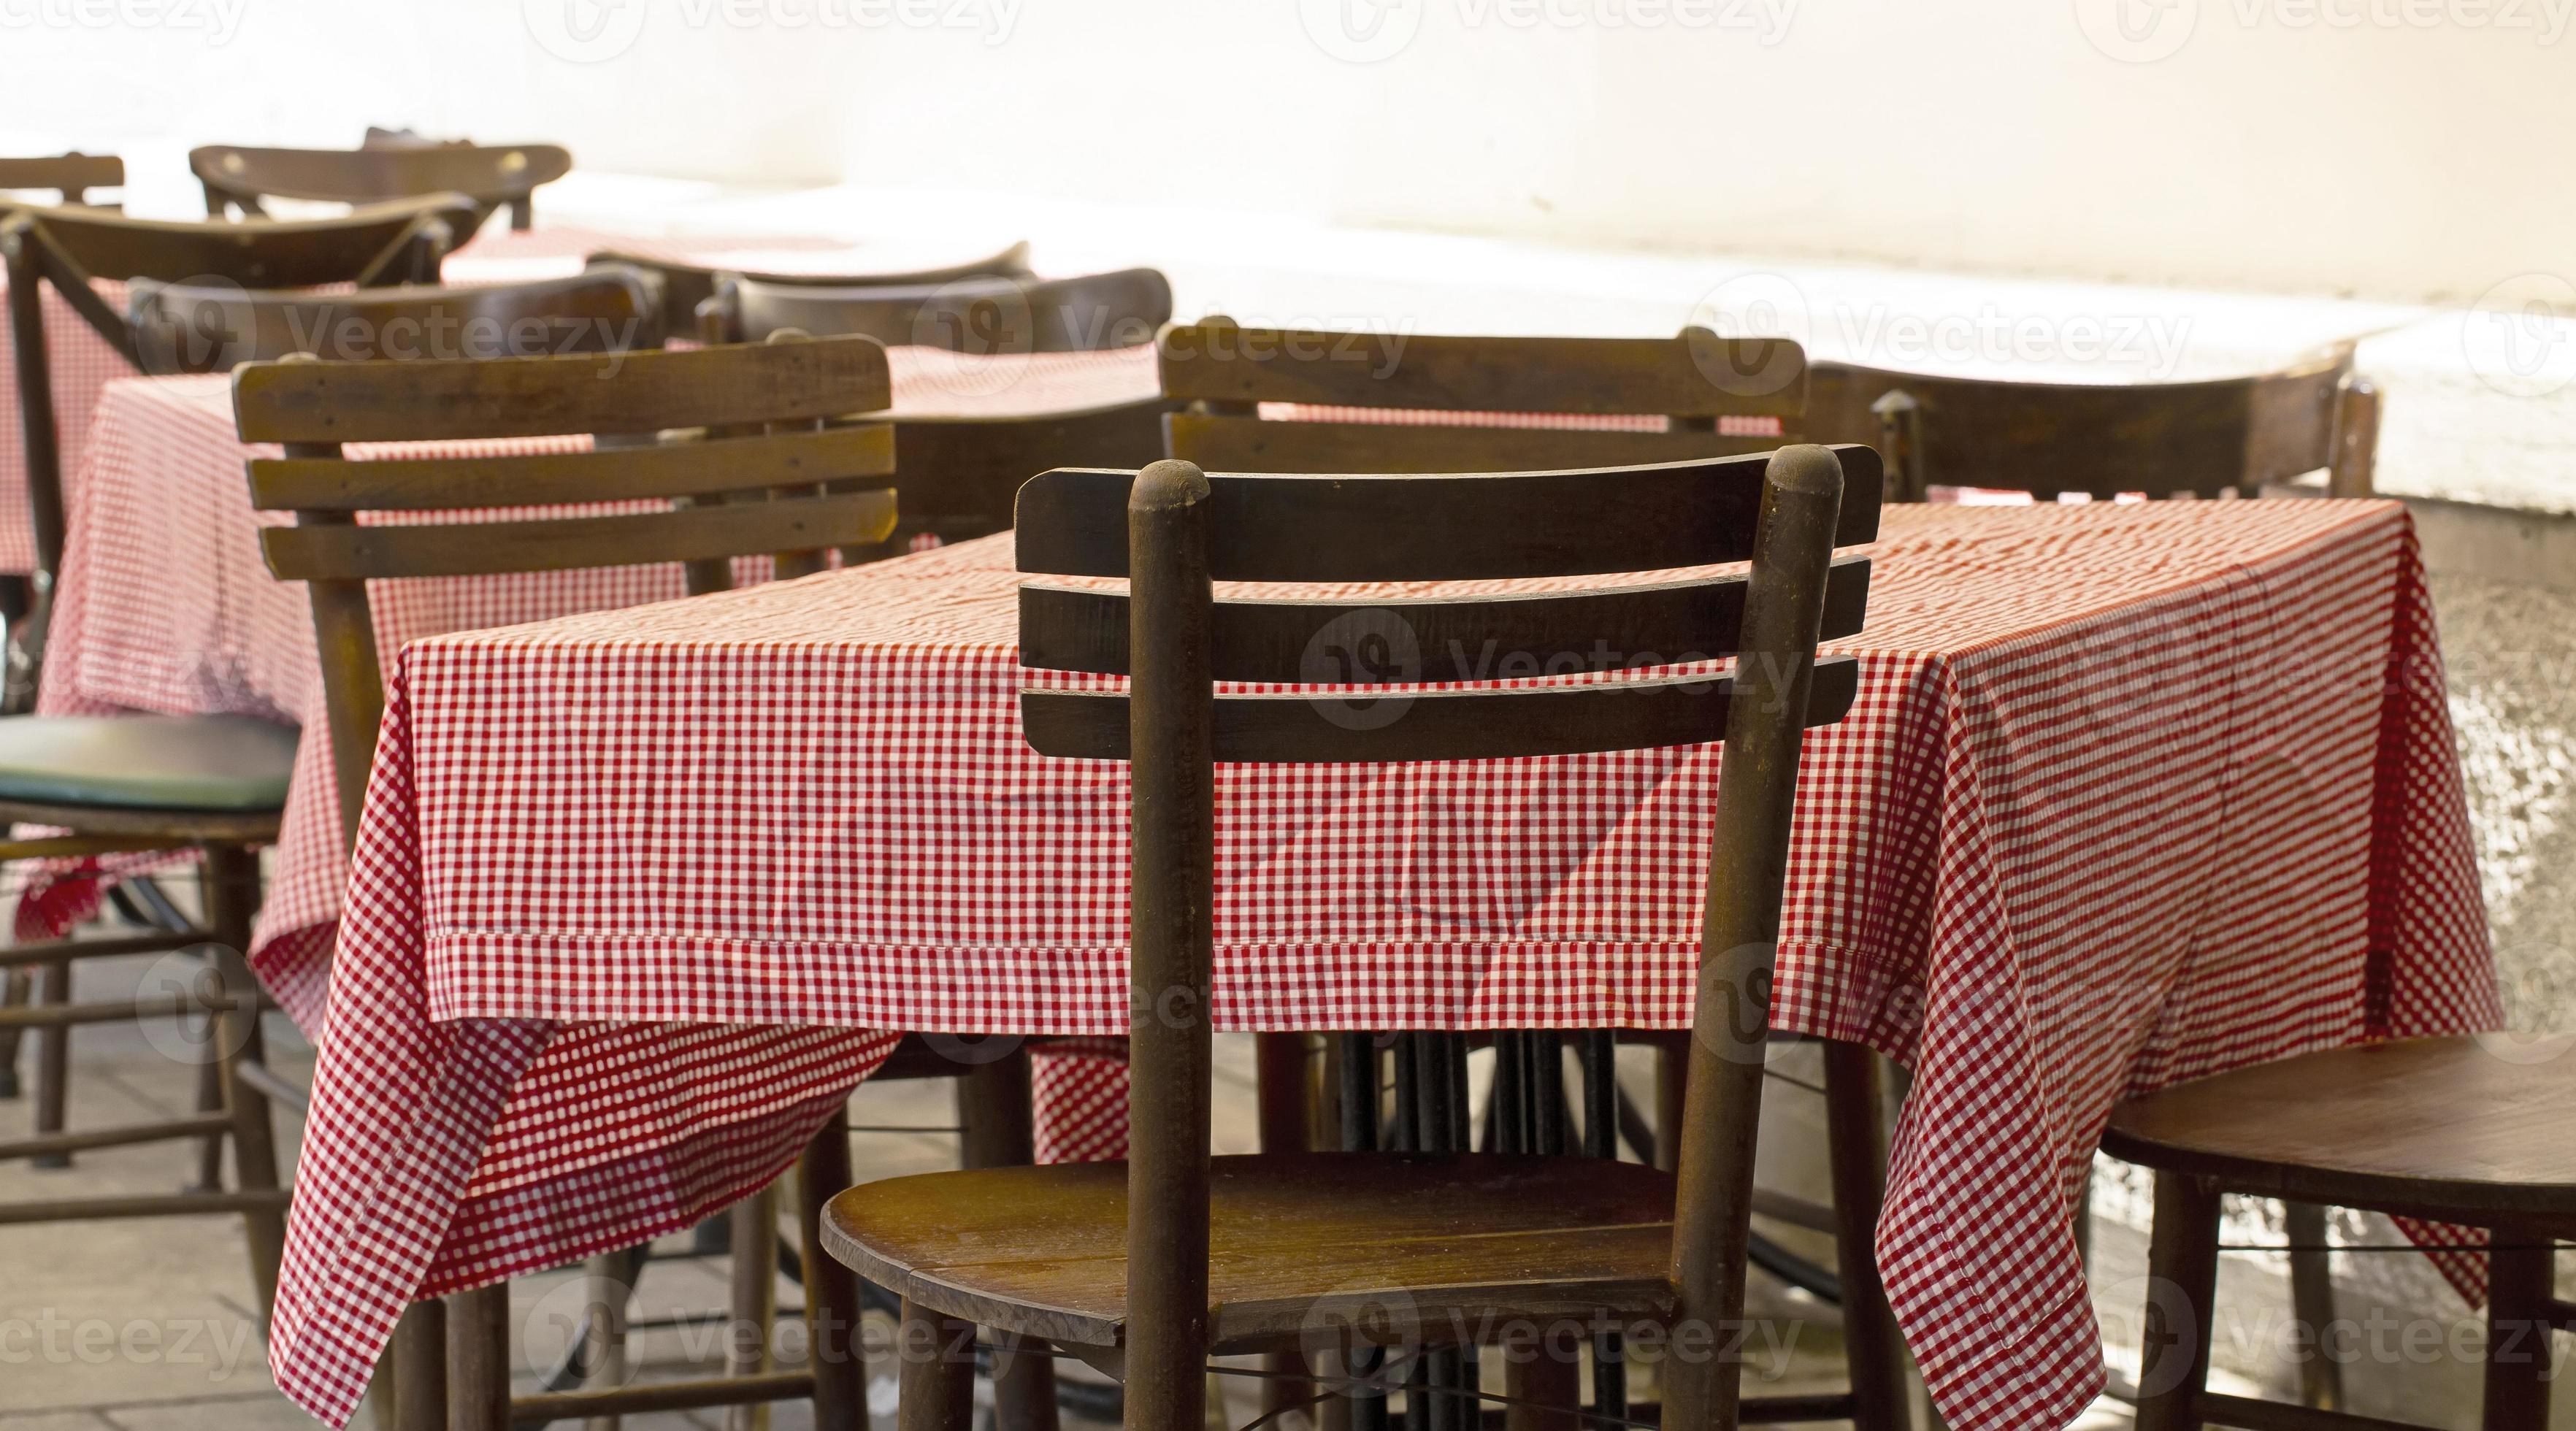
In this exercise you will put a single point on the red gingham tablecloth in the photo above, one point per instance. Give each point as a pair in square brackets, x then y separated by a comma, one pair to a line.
[83, 363]
[2131, 794]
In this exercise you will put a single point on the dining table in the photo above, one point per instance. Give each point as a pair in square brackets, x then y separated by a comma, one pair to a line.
[2131, 793]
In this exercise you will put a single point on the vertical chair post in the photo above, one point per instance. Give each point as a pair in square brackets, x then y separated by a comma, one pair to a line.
[2519, 1320]
[231, 883]
[1739, 933]
[1856, 1145]
[1001, 1132]
[754, 1230]
[478, 1359]
[1171, 707]
[2182, 1294]
[2312, 1301]
[831, 1289]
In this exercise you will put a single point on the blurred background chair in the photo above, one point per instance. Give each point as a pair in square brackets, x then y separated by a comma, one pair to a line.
[967, 466]
[685, 286]
[237, 179]
[2189, 439]
[71, 176]
[180, 328]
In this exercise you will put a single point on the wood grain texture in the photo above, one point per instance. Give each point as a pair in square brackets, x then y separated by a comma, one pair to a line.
[1295, 1241]
[533, 397]
[2441, 1124]
[1222, 443]
[66, 174]
[1449, 527]
[1321, 729]
[1696, 374]
[334, 552]
[620, 474]
[1429, 639]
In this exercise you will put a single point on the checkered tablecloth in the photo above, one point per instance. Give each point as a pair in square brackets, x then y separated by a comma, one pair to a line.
[939, 385]
[2131, 793]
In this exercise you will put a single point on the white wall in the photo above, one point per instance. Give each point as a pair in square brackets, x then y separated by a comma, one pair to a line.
[2417, 152]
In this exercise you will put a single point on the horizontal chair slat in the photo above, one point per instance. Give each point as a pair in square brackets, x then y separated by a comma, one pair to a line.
[1696, 374]
[537, 397]
[1447, 527]
[342, 552]
[1251, 444]
[1419, 640]
[1478, 725]
[255, 253]
[677, 469]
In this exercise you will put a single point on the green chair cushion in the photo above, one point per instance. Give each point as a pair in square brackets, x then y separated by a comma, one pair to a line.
[147, 762]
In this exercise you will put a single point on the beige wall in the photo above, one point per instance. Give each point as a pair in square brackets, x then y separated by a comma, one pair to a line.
[2411, 149]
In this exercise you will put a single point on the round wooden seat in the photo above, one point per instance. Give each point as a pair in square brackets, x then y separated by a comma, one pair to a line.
[1302, 1247]
[2468, 1125]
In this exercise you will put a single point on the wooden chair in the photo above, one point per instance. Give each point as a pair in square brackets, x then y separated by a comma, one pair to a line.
[2195, 439]
[1470, 401]
[685, 286]
[752, 473]
[73, 249]
[181, 328]
[2230, 436]
[1380, 402]
[967, 469]
[2469, 1129]
[1149, 1268]
[70, 175]
[492, 175]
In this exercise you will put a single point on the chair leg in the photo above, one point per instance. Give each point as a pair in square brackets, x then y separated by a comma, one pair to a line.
[1855, 1138]
[611, 1277]
[1544, 1392]
[53, 1062]
[231, 883]
[993, 1107]
[832, 1290]
[420, 1368]
[2519, 1320]
[2312, 1302]
[755, 1298]
[478, 1359]
[2182, 1293]
[937, 1377]
[210, 1099]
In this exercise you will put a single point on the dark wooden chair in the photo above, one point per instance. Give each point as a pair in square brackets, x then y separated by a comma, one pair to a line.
[1391, 402]
[2194, 439]
[2462, 1130]
[1149, 1268]
[492, 175]
[2222, 437]
[74, 249]
[180, 328]
[70, 175]
[687, 285]
[1382, 402]
[749, 471]
[968, 469]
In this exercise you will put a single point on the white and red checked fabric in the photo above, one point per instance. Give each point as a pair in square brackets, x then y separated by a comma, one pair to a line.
[2131, 793]
[83, 363]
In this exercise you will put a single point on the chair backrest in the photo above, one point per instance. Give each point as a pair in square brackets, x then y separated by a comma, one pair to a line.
[70, 175]
[71, 248]
[1395, 402]
[2188, 439]
[968, 315]
[742, 460]
[1172, 530]
[685, 286]
[181, 328]
[235, 178]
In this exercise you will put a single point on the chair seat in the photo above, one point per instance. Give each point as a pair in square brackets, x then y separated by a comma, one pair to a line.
[183, 763]
[1300, 1245]
[2474, 1124]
